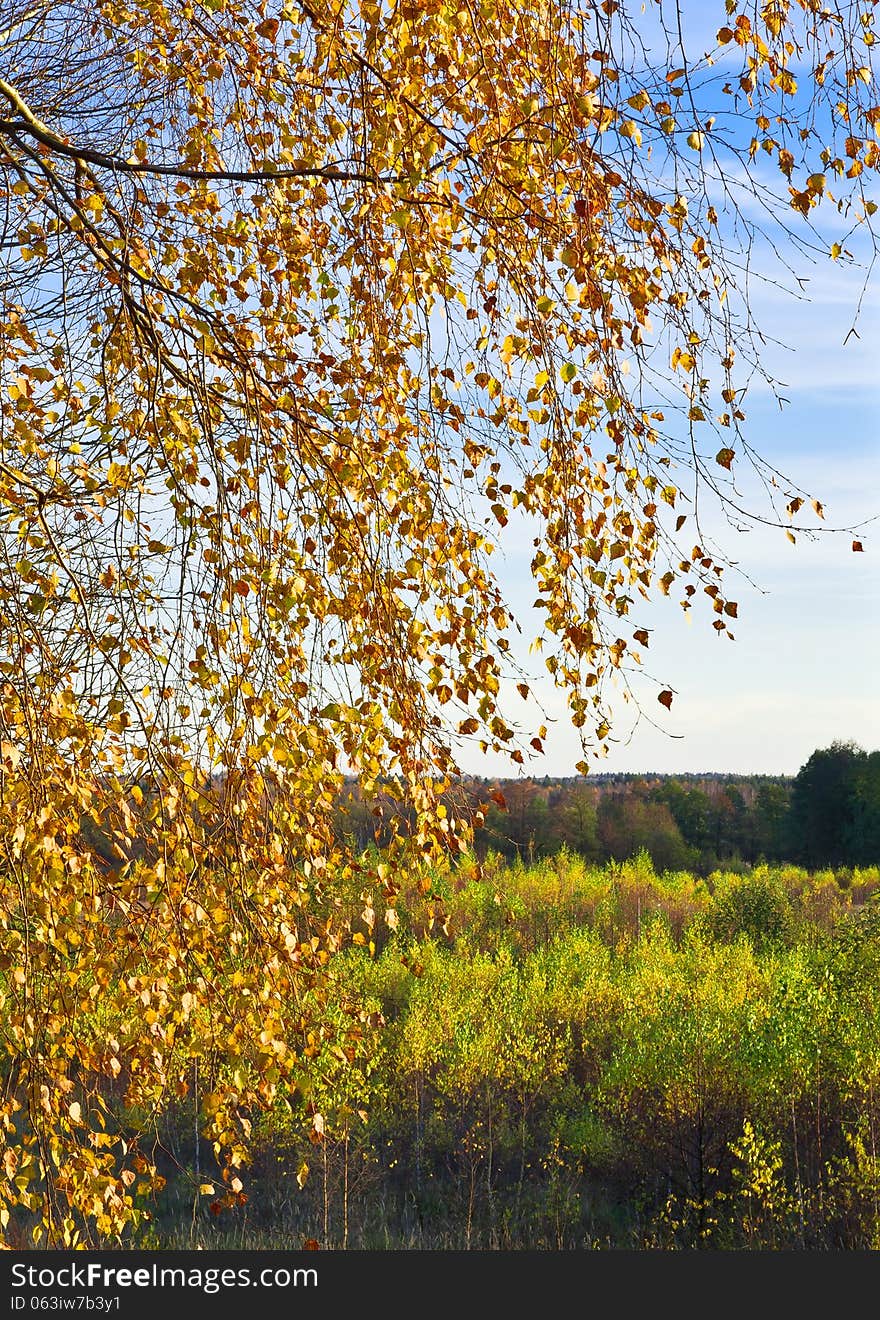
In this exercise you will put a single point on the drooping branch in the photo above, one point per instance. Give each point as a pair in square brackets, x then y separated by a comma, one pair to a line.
[29, 125]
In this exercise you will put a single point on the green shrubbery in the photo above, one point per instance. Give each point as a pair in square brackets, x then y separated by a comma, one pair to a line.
[561, 1055]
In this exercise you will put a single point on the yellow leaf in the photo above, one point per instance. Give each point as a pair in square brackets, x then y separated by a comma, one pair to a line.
[9, 754]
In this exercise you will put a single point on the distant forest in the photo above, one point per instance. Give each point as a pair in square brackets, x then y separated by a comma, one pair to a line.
[828, 815]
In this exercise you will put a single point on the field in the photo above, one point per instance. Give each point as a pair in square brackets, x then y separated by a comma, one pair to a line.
[564, 1056]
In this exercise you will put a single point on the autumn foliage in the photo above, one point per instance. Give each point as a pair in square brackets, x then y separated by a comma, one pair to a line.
[301, 307]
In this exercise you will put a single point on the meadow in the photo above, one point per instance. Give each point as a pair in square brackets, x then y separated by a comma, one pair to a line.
[563, 1055]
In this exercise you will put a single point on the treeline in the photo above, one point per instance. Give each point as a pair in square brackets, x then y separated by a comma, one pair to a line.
[828, 815]
[564, 1056]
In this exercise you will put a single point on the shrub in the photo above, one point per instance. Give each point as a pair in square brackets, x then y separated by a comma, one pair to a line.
[755, 905]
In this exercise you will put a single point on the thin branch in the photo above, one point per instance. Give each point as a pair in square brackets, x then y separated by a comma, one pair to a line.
[29, 123]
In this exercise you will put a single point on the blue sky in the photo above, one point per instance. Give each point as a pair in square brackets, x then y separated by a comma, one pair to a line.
[803, 670]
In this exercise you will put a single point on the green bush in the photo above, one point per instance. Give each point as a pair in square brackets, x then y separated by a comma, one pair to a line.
[756, 906]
